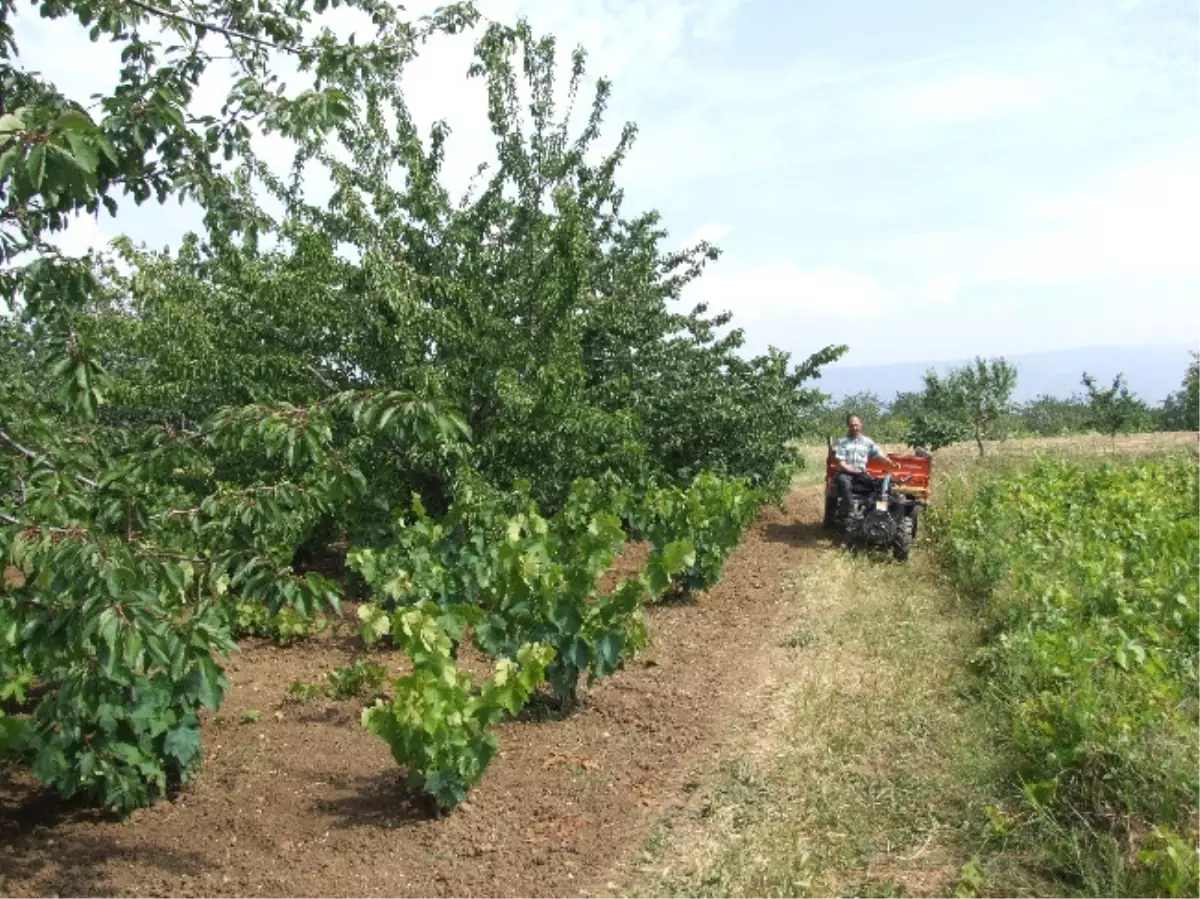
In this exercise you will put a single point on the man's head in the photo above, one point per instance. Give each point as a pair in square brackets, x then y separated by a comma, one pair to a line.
[853, 425]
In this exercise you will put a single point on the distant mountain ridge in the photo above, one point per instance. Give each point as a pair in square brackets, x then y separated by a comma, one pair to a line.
[1152, 372]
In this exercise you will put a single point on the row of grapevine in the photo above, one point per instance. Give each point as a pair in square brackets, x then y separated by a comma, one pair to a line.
[111, 650]
[1088, 576]
[527, 589]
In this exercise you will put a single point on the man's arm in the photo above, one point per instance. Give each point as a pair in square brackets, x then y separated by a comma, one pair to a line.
[876, 453]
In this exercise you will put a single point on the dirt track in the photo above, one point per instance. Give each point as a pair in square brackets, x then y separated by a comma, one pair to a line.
[306, 802]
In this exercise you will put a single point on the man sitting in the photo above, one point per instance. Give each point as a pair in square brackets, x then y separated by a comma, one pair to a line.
[852, 453]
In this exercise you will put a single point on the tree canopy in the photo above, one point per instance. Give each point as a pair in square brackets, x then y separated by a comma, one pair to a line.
[1181, 411]
[1114, 409]
[971, 401]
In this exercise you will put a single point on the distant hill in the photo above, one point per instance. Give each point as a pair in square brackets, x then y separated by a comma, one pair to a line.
[1151, 372]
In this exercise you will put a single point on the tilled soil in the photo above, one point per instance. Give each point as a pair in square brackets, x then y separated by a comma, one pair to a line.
[305, 802]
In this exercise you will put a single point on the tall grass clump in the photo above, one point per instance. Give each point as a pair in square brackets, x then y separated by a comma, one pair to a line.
[1087, 577]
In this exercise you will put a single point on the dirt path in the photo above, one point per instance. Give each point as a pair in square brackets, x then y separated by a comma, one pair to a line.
[304, 802]
[865, 766]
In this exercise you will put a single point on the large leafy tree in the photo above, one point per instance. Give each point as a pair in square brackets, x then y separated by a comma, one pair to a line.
[534, 304]
[175, 429]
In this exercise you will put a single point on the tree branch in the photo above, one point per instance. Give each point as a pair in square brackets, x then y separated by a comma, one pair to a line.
[176, 557]
[246, 68]
[208, 26]
[145, 554]
[27, 453]
[38, 460]
[325, 382]
[8, 519]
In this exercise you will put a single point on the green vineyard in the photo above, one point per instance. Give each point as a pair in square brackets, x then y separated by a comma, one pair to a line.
[1088, 575]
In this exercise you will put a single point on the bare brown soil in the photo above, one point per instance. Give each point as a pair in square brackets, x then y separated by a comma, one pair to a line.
[305, 802]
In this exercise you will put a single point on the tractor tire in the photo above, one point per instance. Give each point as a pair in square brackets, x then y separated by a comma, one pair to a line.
[904, 539]
[831, 503]
[916, 521]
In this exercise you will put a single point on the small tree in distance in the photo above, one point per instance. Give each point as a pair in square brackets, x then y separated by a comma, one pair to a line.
[972, 400]
[931, 430]
[1181, 410]
[1114, 410]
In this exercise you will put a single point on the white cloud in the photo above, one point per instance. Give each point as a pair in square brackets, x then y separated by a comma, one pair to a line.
[711, 232]
[85, 233]
[714, 19]
[1140, 221]
[938, 293]
[958, 98]
[783, 296]
[782, 290]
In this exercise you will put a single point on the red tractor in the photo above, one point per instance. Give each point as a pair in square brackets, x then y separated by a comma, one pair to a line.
[885, 505]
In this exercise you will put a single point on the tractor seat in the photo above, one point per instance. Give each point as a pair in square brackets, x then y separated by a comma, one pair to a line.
[864, 486]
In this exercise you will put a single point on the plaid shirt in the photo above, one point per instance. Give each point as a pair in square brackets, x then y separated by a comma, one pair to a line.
[855, 451]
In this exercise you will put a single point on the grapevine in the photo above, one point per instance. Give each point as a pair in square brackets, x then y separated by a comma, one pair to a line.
[1092, 600]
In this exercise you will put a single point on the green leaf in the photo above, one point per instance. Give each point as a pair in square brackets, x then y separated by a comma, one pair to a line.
[183, 744]
[9, 160]
[578, 653]
[110, 627]
[608, 655]
[106, 147]
[74, 121]
[206, 683]
[35, 165]
[84, 152]
[678, 555]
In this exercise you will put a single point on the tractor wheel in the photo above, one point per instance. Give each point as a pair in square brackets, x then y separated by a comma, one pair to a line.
[915, 520]
[831, 503]
[904, 538]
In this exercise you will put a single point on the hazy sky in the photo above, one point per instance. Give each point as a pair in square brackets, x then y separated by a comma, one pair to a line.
[922, 180]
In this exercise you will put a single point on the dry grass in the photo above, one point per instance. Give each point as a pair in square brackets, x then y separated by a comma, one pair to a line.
[865, 771]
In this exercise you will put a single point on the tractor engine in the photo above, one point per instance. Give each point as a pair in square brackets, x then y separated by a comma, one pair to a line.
[877, 527]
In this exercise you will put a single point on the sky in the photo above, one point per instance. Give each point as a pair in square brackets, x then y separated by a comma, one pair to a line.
[920, 180]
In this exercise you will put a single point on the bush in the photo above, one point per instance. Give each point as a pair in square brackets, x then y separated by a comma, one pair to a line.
[1089, 579]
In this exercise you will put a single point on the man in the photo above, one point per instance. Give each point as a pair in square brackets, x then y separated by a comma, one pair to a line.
[852, 453]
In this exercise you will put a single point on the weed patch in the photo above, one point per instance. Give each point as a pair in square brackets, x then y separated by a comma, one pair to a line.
[1086, 577]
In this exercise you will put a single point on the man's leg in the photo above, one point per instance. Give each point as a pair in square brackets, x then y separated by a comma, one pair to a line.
[842, 482]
